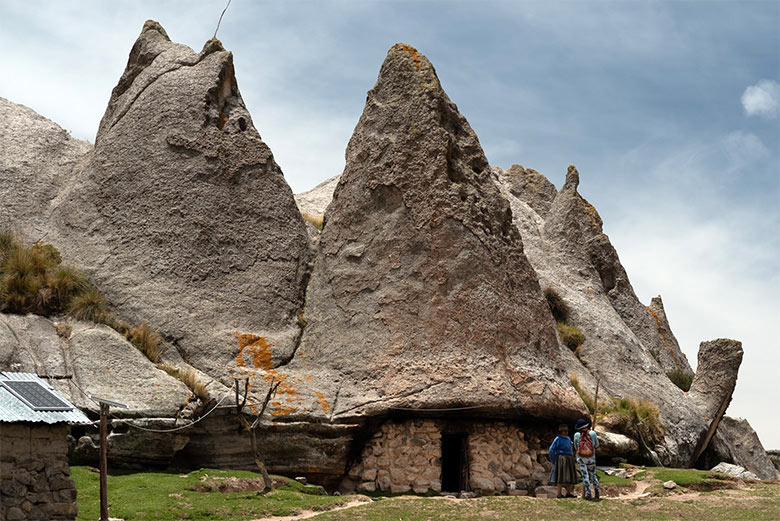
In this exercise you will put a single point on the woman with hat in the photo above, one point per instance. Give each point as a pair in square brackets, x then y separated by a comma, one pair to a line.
[585, 443]
[563, 473]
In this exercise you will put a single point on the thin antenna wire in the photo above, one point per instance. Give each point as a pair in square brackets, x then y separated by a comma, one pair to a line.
[220, 18]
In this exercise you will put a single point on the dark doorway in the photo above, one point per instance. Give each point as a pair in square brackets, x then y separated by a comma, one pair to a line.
[454, 462]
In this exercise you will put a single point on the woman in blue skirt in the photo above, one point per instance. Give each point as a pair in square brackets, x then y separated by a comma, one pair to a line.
[564, 472]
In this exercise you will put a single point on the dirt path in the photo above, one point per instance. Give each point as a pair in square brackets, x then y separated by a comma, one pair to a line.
[641, 486]
[305, 514]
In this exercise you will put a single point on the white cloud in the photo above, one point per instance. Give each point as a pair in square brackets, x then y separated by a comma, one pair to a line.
[762, 99]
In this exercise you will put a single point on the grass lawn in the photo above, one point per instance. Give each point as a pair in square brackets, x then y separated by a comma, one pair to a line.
[171, 496]
[163, 496]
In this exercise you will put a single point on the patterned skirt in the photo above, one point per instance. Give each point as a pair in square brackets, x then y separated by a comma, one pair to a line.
[564, 471]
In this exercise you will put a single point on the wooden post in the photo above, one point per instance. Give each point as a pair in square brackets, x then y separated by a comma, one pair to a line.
[595, 406]
[103, 462]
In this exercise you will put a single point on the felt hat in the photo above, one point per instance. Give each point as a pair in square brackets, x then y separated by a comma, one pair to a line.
[581, 424]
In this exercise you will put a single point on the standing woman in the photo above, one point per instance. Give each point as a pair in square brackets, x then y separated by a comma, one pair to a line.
[564, 473]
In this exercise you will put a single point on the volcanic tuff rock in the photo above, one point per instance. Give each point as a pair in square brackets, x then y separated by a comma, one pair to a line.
[420, 294]
[37, 160]
[181, 216]
[737, 442]
[100, 361]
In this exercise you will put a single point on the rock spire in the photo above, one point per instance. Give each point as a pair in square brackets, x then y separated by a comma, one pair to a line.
[421, 296]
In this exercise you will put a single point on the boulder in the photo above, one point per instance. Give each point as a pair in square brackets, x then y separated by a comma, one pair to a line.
[421, 296]
[733, 470]
[181, 216]
[713, 385]
[736, 442]
[612, 445]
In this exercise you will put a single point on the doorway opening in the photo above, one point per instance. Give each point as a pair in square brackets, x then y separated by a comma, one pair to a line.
[454, 462]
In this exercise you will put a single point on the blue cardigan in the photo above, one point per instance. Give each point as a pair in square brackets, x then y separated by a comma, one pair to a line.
[560, 445]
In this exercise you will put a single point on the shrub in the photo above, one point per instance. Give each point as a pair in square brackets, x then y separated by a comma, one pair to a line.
[681, 379]
[655, 354]
[23, 285]
[570, 336]
[638, 419]
[8, 243]
[65, 283]
[146, 340]
[559, 309]
[89, 305]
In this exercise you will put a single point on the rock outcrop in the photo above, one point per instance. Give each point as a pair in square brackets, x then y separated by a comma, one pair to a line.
[736, 442]
[421, 296]
[181, 216]
[38, 160]
[424, 304]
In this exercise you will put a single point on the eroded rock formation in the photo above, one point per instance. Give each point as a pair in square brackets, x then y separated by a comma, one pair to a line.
[426, 290]
[421, 295]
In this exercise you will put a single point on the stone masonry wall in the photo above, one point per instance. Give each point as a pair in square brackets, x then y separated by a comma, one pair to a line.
[407, 456]
[400, 457]
[500, 453]
[35, 479]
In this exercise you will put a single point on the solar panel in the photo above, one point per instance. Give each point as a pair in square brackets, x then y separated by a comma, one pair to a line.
[36, 396]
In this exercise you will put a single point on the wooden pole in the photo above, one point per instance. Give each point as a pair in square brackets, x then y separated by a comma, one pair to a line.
[103, 462]
[595, 406]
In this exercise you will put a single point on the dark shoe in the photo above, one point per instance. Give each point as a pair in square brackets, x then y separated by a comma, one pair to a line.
[587, 498]
[597, 497]
[570, 495]
[560, 496]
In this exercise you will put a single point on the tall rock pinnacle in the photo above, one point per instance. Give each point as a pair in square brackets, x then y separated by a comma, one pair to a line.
[182, 216]
[421, 295]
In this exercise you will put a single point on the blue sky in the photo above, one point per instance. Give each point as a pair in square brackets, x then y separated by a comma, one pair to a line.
[668, 109]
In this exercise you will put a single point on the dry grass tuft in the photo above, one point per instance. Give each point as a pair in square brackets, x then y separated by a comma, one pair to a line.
[315, 219]
[146, 340]
[570, 336]
[63, 329]
[91, 306]
[190, 378]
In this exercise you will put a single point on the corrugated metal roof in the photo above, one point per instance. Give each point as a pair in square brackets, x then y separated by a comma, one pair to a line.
[14, 410]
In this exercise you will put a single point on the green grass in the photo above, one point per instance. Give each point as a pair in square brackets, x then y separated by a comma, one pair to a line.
[689, 478]
[169, 496]
[681, 379]
[570, 336]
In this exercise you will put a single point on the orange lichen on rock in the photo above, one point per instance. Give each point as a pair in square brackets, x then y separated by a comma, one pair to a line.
[411, 52]
[663, 336]
[323, 403]
[259, 349]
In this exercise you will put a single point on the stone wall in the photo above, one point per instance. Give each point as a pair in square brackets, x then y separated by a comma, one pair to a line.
[35, 479]
[406, 456]
[500, 453]
[400, 457]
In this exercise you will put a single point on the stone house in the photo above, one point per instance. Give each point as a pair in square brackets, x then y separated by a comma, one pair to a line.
[35, 479]
[425, 454]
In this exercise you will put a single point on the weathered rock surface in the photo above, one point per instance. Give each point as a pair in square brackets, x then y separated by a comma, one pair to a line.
[100, 361]
[733, 470]
[614, 445]
[716, 376]
[38, 159]
[774, 457]
[736, 442]
[421, 295]
[713, 385]
[571, 254]
[181, 216]
[316, 200]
